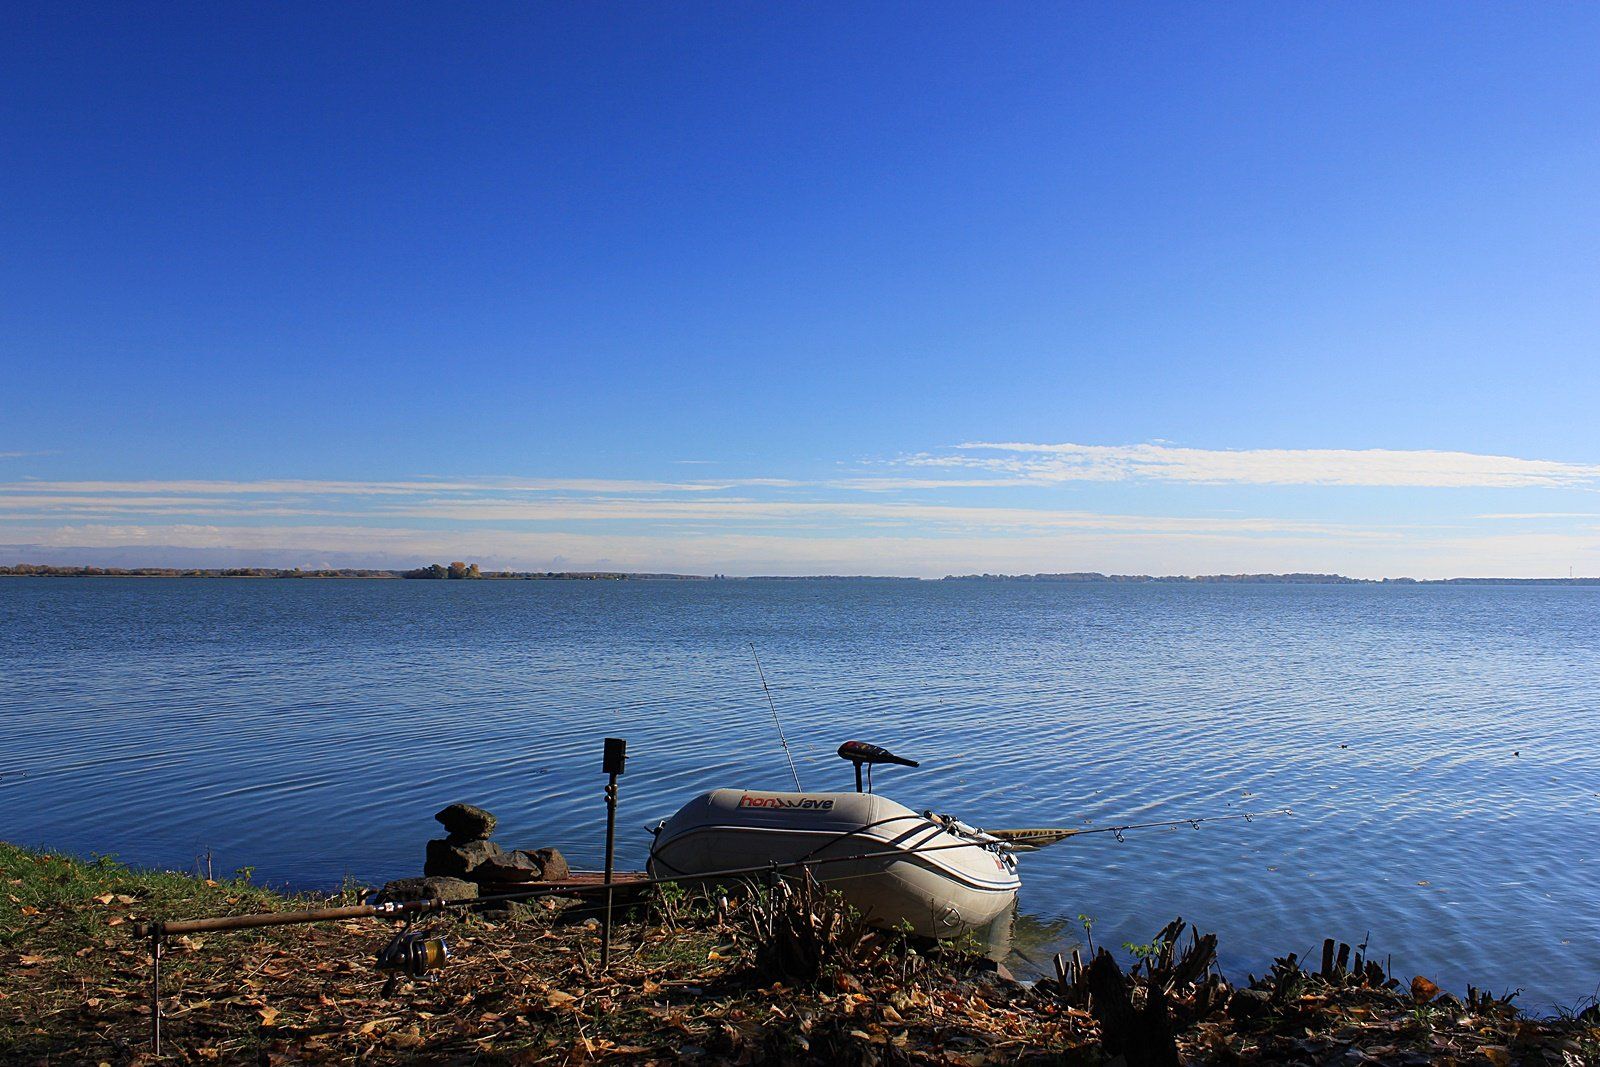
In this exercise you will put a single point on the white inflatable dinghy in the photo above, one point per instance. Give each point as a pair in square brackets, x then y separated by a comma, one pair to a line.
[931, 873]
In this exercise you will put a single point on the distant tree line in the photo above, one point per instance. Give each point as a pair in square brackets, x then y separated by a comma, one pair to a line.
[439, 570]
[1095, 576]
[1260, 579]
[457, 570]
[471, 570]
[49, 570]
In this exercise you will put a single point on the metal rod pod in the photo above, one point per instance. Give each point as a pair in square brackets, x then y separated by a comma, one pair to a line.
[156, 943]
[613, 769]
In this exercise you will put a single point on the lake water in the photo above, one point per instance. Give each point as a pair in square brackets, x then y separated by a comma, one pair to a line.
[1440, 745]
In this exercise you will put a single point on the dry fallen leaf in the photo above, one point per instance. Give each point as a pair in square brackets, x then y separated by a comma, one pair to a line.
[1423, 990]
[32, 961]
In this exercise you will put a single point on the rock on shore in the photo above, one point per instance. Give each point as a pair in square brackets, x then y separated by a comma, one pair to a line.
[407, 889]
[466, 853]
[466, 822]
[450, 859]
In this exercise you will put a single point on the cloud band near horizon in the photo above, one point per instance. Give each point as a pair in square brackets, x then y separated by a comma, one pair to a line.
[1054, 463]
[927, 513]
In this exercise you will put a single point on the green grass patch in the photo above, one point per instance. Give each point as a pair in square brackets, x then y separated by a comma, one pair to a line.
[67, 945]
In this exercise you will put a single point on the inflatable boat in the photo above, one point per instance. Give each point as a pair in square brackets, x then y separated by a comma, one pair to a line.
[931, 874]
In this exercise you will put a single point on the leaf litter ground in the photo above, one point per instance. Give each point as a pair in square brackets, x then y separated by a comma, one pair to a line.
[785, 977]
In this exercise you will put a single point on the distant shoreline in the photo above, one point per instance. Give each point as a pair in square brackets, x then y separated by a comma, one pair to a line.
[33, 570]
[1091, 577]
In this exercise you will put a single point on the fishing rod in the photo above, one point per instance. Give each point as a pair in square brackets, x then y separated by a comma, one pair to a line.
[1034, 839]
[784, 741]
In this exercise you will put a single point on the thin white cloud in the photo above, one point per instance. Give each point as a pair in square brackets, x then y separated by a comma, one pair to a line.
[232, 504]
[924, 514]
[892, 484]
[1055, 463]
[313, 487]
[1537, 515]
[721, 510]
[496, 504]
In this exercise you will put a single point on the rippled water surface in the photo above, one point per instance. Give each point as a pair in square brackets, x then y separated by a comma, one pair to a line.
[1440, 745]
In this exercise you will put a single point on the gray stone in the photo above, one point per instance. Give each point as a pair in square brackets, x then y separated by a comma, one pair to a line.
[406, 889]
[552, 864]
[515, 866]
[994, 966]
[995, 976]
[449, 859]
[466, 822]
[1449, 1003]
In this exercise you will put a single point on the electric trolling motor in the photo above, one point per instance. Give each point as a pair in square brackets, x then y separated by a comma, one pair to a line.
[864, 755]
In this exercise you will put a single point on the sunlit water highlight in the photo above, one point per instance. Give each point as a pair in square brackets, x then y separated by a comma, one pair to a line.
[309, 729]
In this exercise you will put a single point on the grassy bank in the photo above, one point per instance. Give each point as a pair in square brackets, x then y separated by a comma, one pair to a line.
[780, 978]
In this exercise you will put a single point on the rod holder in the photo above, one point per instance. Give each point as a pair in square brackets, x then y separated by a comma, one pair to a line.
[158, 941]
[613, 763]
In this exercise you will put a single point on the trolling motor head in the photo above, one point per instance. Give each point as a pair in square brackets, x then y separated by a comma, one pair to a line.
[864, 755]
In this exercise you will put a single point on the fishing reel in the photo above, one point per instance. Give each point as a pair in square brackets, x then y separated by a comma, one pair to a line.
[411, 954]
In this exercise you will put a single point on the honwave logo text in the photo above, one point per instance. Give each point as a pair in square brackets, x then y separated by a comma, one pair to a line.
[803, 804]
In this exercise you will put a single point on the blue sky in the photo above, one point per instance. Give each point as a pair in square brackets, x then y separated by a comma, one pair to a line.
[729, 287]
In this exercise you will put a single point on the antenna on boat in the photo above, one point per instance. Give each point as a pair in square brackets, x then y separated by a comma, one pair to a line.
[784, 741]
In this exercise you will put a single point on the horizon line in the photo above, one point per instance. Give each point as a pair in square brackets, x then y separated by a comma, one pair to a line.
[47, 570]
